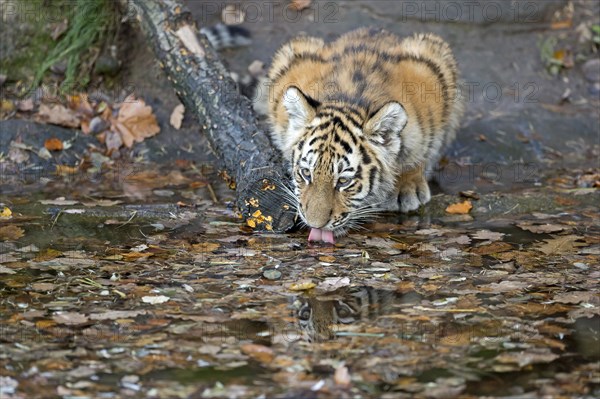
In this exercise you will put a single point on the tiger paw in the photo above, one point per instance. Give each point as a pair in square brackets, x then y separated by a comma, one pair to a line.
[413, 193]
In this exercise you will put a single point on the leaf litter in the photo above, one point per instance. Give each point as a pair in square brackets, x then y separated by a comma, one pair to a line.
[201, 307]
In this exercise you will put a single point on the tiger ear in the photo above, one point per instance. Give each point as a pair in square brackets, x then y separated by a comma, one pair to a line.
[384, 127]
[300, 109]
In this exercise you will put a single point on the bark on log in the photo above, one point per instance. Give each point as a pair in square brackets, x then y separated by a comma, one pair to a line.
[204, 86]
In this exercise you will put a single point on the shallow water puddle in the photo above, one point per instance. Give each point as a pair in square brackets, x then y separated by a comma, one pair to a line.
[159, 300]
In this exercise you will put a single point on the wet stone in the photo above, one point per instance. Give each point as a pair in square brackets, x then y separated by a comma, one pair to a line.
[591, 70]
[272, 274]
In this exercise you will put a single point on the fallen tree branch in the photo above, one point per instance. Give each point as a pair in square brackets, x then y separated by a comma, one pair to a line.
[204, 86]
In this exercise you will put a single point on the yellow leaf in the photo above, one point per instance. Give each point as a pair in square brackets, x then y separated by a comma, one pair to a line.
[302, 286]
[460, 208]
[11, 233]
[6, 213]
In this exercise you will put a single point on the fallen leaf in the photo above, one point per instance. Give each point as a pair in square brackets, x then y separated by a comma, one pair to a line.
[300, 5]
[560, 245]
[6, 213]
[575, 297]
[155, 300]
[302, 285]
[470, 194]
[59, 115]
[525, 358]
[53, 144]
[25, 105]
[117, 314]
[564, 24]
[11, 233]
[59, 201]
[135, 121]
[260, 353]
[177, 116]
[66, 170]
[333, 283]
[487, 235]
[6, 270]
[460, 208]
[70, 318]
[493, 248]
[205, 247]
[17, 154]
[342, 376]
[543, 228]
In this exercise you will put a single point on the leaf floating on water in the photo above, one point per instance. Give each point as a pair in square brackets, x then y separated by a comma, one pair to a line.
[260, 353]
[302, 285]
[460, 208]
[6, 213]
[333, 283]
[155, 300]
[561, 245]
[11, 233]
[543, 228]
[59, 201]
[487, 235]
[70, 318]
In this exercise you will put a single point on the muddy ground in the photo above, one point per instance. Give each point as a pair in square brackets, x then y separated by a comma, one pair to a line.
[133, 276]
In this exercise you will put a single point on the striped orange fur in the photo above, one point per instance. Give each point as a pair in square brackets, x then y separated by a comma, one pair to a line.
[361, 121]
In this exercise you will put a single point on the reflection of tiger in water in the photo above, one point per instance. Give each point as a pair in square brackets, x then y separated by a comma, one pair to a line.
[319, 317]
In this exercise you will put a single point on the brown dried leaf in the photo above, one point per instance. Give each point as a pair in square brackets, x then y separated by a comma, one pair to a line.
[300, 5]
[70, 318]
[11, 233]
[575, 297]
[59, 115]
[487, 235]
[333, 283]
[543, 228]
[260, 353]
[135, 121]
[493, 248]
[560, 245]
[53, 144]
[460, 208]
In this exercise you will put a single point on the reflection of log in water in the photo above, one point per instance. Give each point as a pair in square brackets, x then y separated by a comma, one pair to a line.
[253, 167]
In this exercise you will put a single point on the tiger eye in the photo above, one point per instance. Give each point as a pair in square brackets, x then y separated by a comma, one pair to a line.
[343, 182]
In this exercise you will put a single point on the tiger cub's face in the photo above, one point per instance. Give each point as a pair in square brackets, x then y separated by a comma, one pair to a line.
[342, 158]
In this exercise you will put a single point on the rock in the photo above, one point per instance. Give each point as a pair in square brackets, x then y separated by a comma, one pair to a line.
[59, 68]
[272, 274]
[591, 70]
[107, 65]
[98, 125]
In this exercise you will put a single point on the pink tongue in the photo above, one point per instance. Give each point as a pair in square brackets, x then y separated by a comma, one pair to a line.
[321, 235]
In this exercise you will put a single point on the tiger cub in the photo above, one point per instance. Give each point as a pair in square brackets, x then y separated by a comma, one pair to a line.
[362, 120]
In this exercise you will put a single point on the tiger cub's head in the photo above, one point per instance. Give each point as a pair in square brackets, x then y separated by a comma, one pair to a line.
[343, 158]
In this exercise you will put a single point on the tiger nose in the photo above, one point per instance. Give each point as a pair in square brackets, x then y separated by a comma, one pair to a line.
[318, 216]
